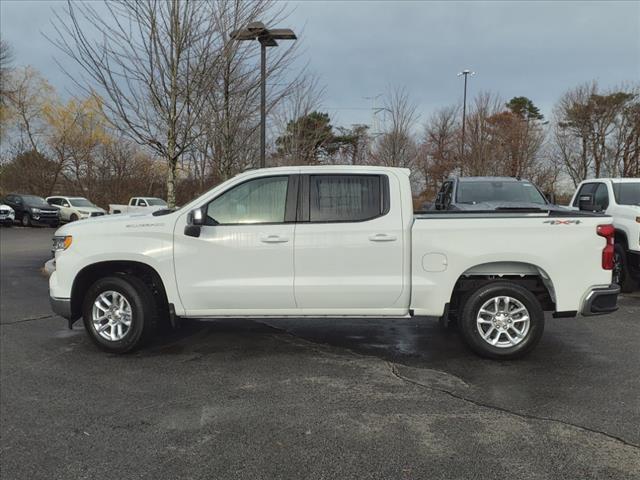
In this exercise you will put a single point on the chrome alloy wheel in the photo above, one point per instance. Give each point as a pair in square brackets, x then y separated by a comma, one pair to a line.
[503, 322]
[111, 315]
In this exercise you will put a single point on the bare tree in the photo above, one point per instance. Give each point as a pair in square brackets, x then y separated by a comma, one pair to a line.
[396, 146]
[30, 94]
[151, 61]
[479, 156]
[597, 133]
[6, 61]
[439, 149]
[298, 133]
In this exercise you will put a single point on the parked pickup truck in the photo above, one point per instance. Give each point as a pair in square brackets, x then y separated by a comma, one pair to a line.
[139, 205]
[619, 198]
[338, 241]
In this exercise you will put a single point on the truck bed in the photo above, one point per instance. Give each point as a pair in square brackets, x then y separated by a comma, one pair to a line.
[561, 247]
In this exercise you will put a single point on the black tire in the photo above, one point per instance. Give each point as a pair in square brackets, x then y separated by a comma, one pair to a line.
[73, 217]
[469, 329]
[144, 312]
[26, 220]
[621, 271]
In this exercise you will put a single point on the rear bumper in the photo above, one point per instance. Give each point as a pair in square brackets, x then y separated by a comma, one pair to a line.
[61, 306]
[601, 300]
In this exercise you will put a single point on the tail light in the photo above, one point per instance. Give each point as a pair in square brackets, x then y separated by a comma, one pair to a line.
[608, 232]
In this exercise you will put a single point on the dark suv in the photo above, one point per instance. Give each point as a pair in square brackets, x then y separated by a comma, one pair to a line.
[33, 210]
[490, 193]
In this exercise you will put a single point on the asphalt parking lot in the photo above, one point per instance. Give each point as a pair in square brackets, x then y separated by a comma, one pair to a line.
[312, 399]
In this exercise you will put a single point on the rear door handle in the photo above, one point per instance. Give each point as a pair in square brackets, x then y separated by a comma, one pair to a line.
[383, 237]
[273, 239]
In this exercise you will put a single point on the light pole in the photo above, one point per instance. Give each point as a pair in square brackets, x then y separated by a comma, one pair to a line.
[267, 38]
[466, 73]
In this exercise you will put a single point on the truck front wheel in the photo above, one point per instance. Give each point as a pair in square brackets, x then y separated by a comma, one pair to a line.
[502, 320]
[119, 313]
[621, 272]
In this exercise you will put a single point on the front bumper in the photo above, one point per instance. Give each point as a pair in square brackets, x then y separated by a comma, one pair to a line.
[48, 221]
[61, 306]
[601, 300]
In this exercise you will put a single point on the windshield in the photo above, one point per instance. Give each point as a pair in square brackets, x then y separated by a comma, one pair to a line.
[627, 193]
[35, 201]
[497, 191]
[156, 202]
[80, 202]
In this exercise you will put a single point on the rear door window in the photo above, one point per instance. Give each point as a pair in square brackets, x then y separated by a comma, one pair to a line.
[345, 198]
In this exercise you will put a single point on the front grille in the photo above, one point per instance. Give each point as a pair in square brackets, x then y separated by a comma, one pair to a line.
[96, 214]
[4, 212]
[49, 213]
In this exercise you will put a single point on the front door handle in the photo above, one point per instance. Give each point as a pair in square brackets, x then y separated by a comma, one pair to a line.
[383, 237]
[273, 239]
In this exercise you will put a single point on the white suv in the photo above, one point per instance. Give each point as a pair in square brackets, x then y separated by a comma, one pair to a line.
[75, 208]
[619, 198]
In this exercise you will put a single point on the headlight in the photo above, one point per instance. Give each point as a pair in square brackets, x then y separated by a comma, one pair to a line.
[62, 243]
[83, 212]
[35, 210]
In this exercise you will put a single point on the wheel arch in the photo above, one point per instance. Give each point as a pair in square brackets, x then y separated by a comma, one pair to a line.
[526, 274]
[621, 237]
[90, 273]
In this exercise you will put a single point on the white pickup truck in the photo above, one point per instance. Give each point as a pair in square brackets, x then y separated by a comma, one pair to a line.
[139, 205]
[337, 241]
[619, 198]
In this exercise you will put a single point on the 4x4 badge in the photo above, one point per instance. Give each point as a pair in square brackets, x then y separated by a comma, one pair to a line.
[562, 222]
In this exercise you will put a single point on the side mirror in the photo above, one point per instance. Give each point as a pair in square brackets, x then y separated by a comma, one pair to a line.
[585, 202]
[195, 220]
[196, 217]
[439, 203]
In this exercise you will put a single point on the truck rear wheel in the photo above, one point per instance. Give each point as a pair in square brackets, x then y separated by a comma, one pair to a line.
[120, 313]
[501, 320]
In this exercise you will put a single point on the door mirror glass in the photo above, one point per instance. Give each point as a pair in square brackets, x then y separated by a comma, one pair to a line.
[585, 202]
[196, 217]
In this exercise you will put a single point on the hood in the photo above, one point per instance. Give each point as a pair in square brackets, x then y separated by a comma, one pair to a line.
[119, 223]
[45, 208]
[89, 209]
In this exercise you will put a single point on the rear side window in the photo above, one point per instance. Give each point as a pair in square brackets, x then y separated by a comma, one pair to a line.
[345, 198]
[586, 189]
[601, 197]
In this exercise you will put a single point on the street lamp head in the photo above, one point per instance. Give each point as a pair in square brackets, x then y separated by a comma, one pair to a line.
[256, 27]
[267, 37]
[466, 72]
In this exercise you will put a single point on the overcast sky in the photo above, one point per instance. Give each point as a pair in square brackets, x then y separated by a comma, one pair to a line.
[359, 49]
